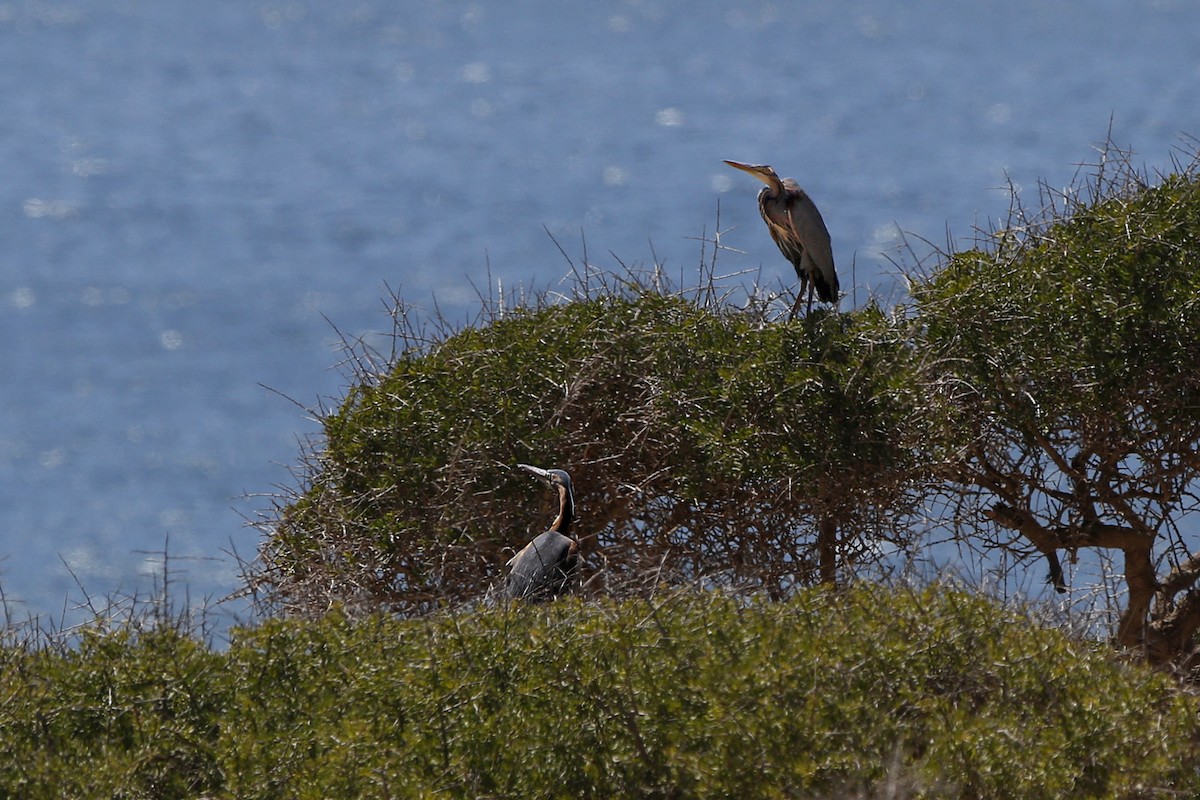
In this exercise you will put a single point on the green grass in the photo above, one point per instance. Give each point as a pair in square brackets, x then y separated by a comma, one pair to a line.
[933, 693]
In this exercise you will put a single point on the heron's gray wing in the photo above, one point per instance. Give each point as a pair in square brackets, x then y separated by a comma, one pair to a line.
[543, 566]
[818, 249]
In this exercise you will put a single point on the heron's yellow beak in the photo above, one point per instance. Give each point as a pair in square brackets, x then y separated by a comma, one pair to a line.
[761, 171]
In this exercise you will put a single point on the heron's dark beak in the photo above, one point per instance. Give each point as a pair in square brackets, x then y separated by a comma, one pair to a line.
[543, 474]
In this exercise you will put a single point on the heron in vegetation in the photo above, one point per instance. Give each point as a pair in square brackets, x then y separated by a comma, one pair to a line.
[545, 567]
[797, 227]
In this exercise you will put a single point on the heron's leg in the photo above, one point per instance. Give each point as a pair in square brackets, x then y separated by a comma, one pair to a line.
[812, 285]
[796, 306]
[799, 295]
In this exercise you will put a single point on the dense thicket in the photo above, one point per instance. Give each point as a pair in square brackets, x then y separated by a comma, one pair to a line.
[1066, 357]
[702, 442]
[864, 692]
[1040, 389]
[1043, 384]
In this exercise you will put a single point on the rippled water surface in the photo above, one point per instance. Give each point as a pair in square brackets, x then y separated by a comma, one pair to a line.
[190, 191]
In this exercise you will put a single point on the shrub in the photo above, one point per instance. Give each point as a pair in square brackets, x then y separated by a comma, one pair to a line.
[701, 441]
[929, 693]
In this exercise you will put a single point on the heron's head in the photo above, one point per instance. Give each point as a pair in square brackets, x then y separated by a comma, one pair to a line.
[761, 171]
[560, 481]
[551, 477]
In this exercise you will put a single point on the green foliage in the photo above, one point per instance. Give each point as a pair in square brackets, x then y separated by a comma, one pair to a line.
[121, 715]
[694, 695]
[1041, 383]
[1097, 310]
[700, 439]
[1070, 409]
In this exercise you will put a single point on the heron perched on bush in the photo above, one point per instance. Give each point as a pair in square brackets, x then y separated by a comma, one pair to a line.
[546, 567]
[797, 227]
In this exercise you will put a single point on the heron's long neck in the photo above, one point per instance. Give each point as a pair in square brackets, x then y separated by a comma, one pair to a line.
[772, 190]
[566, 511]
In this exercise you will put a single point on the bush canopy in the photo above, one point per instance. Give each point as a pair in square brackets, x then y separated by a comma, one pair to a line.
[866, 692]
[1037, 395]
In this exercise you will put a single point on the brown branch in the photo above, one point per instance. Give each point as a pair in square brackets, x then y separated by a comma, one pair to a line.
[1182, 577]
[827, 550]
[1109, 473]
[1169, 637]
[1038, 535]
[1108, 536]
[1139, 570]
[1049, 449]
[1139, 577]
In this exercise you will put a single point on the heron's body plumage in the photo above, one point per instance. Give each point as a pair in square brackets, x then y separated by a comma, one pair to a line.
[549, 564]
[799, 231]
[543, 568]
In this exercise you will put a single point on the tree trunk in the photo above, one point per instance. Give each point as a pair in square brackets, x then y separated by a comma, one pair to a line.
[827, 550]
[1139, 577]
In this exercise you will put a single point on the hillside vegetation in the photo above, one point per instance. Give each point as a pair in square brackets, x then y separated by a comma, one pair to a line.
[741, 483]
[701, 440]
[863, 693]
[1037, 397]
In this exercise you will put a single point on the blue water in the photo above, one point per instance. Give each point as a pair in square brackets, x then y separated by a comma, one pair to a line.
[190, 191]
